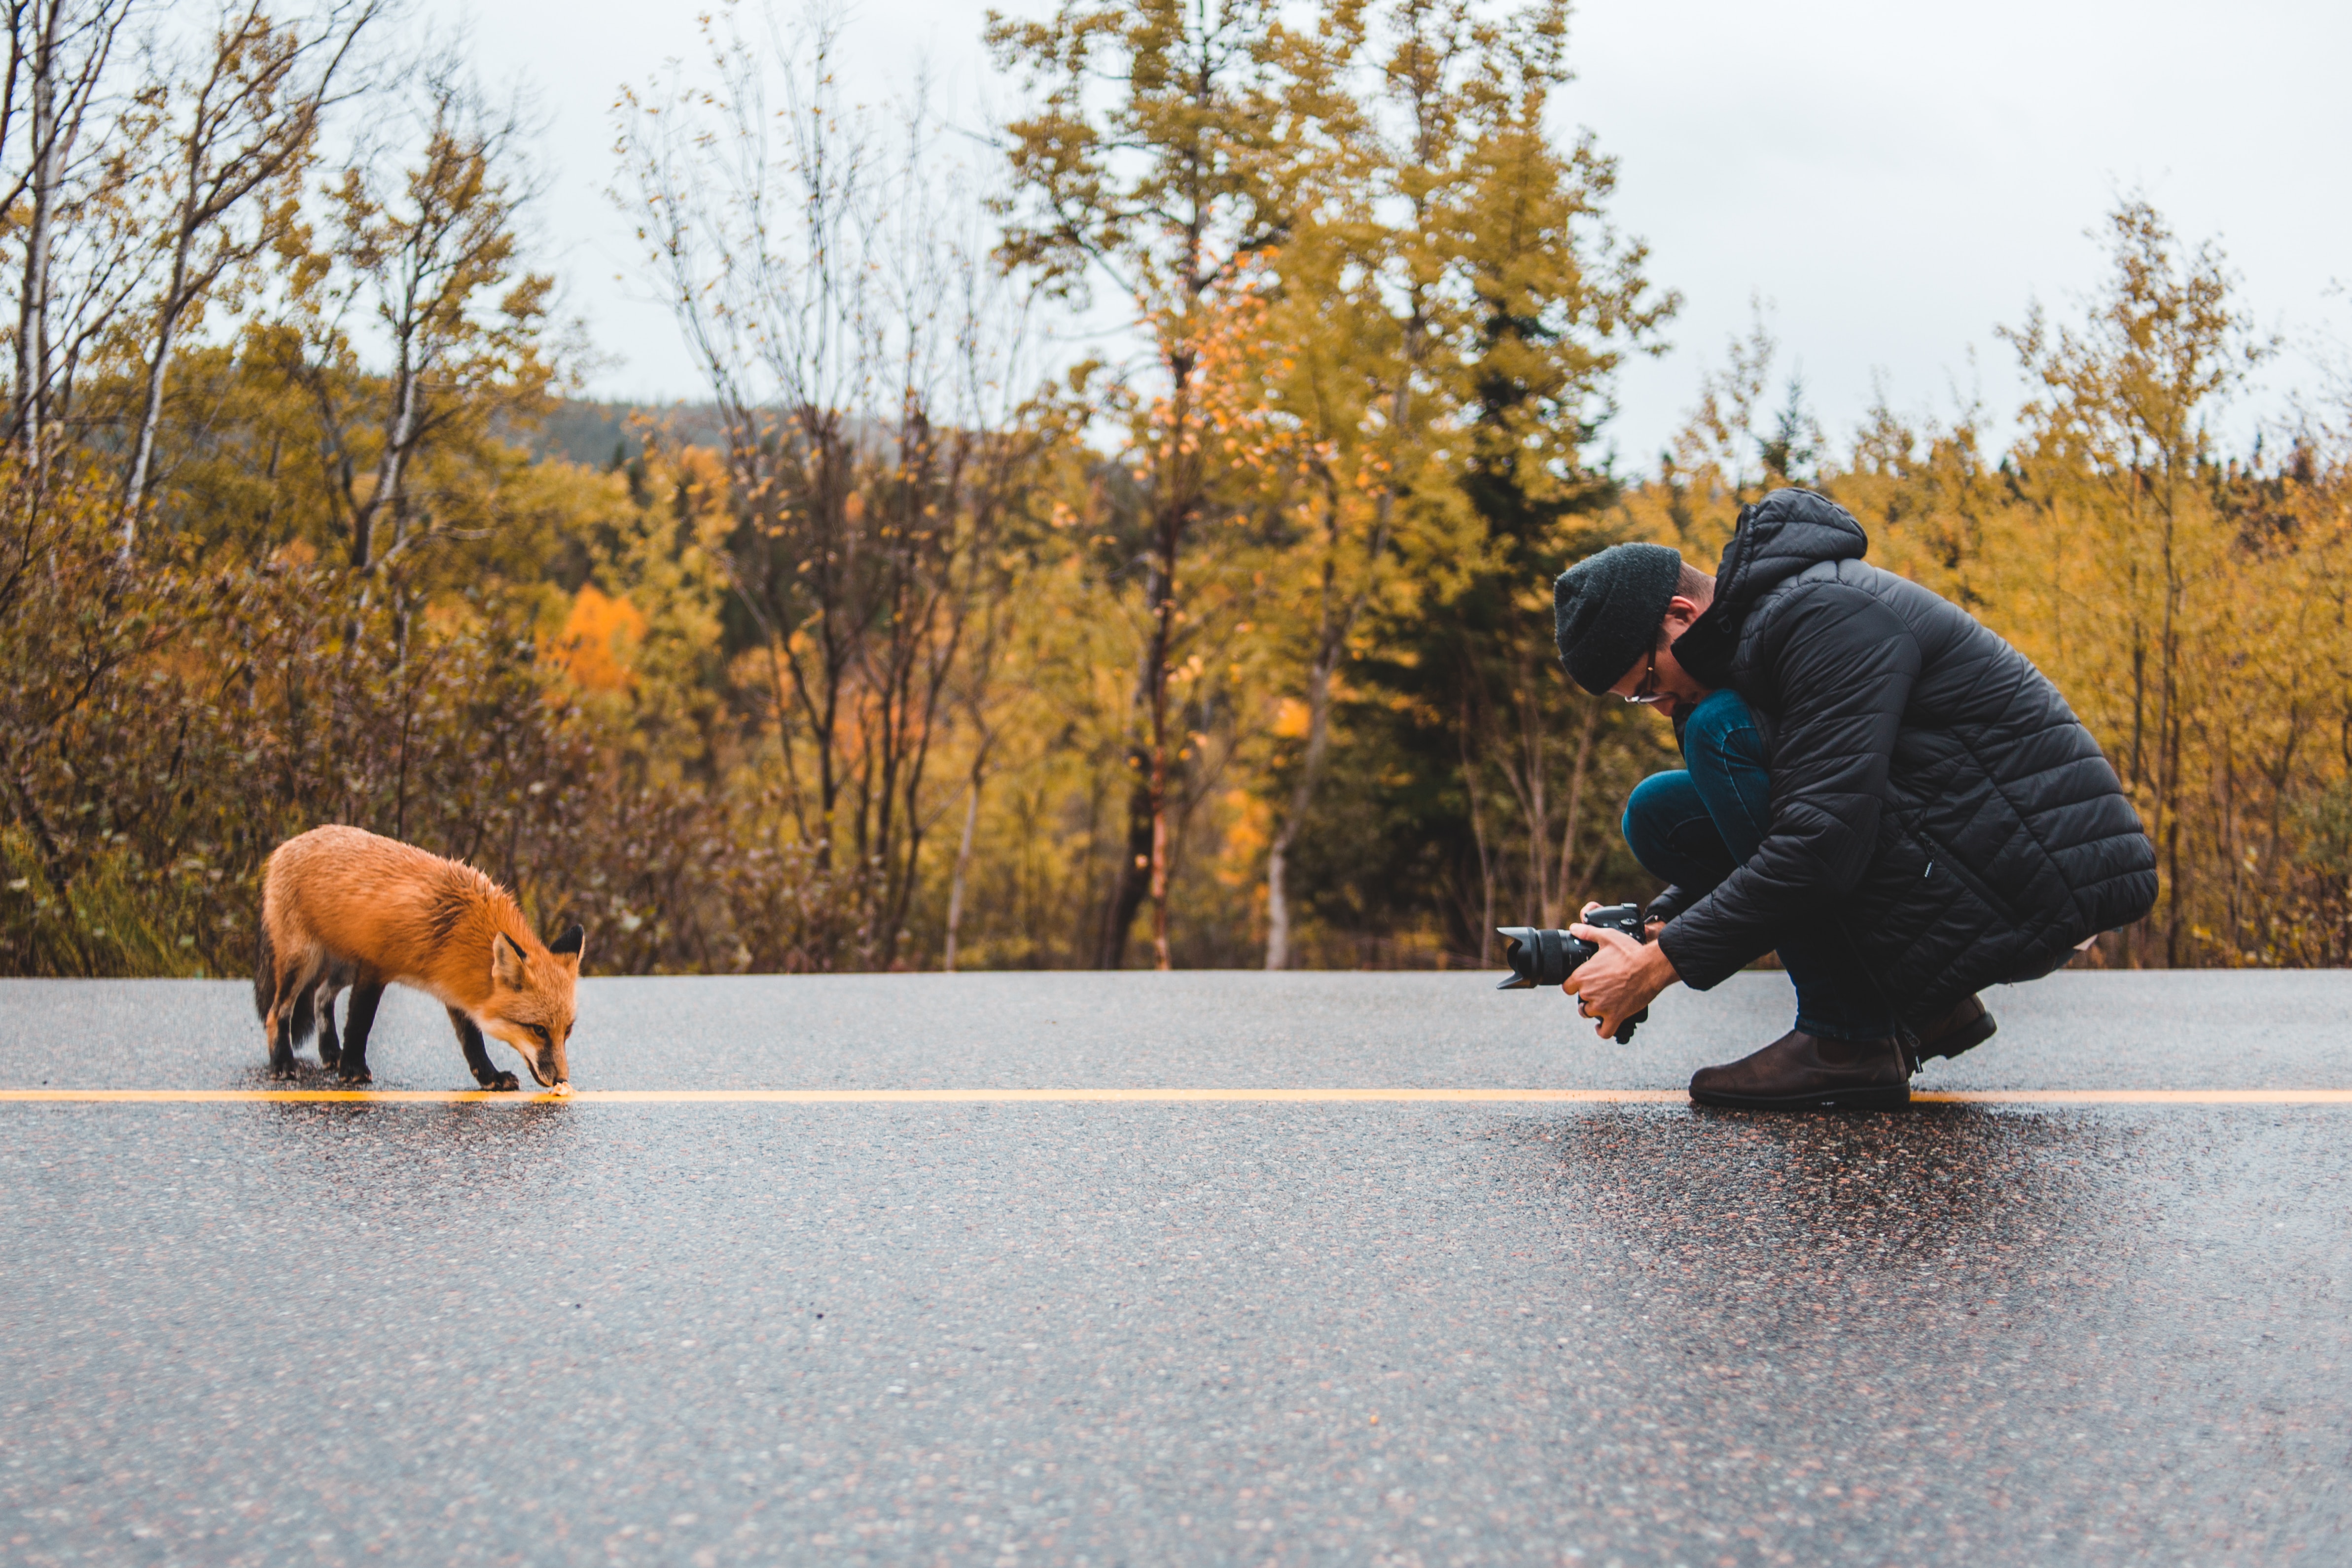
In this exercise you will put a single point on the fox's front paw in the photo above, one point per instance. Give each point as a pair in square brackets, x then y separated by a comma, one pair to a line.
[353, 1080]
[499, 1080]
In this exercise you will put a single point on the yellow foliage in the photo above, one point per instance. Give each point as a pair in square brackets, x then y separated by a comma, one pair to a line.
[1248, 830]
[598, 639]
[449, 616]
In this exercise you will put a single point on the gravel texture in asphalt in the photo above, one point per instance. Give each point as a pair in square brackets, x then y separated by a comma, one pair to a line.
[1141, 1333]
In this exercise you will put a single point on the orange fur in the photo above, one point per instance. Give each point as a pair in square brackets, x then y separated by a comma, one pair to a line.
[397, 915]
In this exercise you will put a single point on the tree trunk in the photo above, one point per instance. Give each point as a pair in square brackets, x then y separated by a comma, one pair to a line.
[1159, 841]
[1135, 868]
[1531, 743]
[1163, 631]
[1134, 880]
[392, 469]
[1302, 795]
[963, 862]
[1277, 904]
[1478, 837]
[1555, 913]
[168, 312]
[143, 452]
[1330, 642]
[32, 305]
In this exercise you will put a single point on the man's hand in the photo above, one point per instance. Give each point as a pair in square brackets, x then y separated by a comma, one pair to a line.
[1619, 981]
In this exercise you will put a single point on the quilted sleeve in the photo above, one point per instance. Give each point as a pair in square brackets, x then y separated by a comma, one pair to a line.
[1839, 667]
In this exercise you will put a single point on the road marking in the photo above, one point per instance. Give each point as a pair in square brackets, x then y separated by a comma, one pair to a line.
[2131, 1097]
[834, 1095]
[1121, 1096]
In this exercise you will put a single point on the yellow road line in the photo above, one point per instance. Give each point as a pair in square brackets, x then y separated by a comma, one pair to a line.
[827, 1096]
[1124, 1095]
[2131, 1097]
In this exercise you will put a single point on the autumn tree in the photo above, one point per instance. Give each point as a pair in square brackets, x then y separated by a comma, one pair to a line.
[2185, 599]
[1347, 336]
[1157, 158]
[70, 160]
[2117, 444]
[422, 248]
[862, 358]
[236, 125]
[1527, 300]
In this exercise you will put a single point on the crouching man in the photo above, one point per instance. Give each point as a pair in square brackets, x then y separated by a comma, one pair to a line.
[1877, 788]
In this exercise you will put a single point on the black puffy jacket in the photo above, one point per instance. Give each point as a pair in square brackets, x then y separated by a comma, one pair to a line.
[1932, 794]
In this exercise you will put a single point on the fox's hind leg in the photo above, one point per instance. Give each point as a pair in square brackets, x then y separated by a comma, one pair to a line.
[365, 994]
[288, 1013]
[477, 1056]
[277, 1014]
[291, 963]
[329, 1043]
[281, 1044]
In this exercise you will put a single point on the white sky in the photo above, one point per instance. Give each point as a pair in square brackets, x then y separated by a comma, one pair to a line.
[1894, 179]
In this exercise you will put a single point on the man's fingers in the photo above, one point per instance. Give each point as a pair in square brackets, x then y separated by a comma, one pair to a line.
[1601, 936]
[1588, 1006]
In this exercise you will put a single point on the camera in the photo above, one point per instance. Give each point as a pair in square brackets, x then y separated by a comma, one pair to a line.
[1539, 957]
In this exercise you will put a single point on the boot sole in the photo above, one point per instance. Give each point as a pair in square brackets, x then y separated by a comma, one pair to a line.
[1878, 1097]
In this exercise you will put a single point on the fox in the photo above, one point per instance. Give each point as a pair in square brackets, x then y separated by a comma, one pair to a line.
[343, 908]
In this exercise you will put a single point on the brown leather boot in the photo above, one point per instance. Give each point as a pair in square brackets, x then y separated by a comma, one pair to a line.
[1965, 1026]
[1808, 1072]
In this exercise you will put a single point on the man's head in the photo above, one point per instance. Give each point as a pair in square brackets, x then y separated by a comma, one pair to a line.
[1616, 614]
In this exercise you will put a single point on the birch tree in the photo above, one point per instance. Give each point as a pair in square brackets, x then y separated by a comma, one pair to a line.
[422, 236]
[70, 163]
[239, 128]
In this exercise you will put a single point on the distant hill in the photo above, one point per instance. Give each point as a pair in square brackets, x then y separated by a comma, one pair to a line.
[606, 435]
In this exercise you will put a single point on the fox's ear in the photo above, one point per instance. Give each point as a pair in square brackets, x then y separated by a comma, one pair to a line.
[569, 944]
[506, 960]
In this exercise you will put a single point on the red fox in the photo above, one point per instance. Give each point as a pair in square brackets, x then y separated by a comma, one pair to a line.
[342, 907]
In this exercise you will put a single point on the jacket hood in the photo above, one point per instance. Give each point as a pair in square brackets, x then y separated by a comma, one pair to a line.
[1785, 533]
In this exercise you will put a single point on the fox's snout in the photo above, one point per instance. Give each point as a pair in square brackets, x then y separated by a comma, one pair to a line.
[545, 1062]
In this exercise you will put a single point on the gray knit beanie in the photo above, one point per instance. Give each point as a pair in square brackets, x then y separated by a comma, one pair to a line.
[1606, 610]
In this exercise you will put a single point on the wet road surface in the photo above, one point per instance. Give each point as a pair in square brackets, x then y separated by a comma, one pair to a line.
[1136, 1333]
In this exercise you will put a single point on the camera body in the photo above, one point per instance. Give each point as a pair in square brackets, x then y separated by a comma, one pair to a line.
[1548, 957]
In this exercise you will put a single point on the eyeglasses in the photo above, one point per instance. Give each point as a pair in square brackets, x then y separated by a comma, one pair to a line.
[1643, 693]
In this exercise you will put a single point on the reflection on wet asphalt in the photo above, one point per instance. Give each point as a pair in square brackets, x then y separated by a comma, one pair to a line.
[1134, 1333]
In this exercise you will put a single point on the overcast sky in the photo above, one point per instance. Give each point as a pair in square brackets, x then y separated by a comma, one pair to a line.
[1894, 180]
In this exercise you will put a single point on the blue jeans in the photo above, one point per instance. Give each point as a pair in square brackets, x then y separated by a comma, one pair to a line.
[1691, 827]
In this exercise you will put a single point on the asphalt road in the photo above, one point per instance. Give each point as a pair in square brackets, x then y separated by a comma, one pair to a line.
[1414, 1332]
